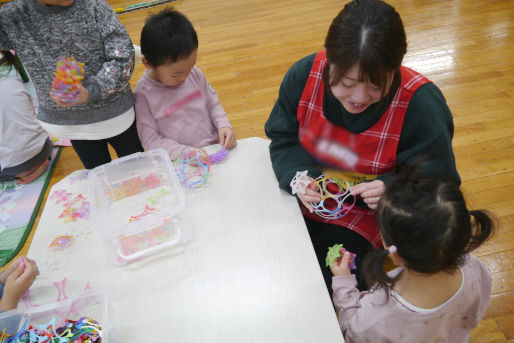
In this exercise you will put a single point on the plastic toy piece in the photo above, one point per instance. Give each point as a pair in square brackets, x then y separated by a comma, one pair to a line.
[72, 211]
[60, 196]
[61, 242]
[80, 177]
[300, 182]
[146, 212]
[67, 78]
[156, 198]
[84, 330]
[192, 167]
[334, 196]
[334, 253]
[219, 156]
[26, 300]
[60, 287]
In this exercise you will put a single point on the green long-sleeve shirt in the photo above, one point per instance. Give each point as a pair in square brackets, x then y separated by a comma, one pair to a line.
[427, 130]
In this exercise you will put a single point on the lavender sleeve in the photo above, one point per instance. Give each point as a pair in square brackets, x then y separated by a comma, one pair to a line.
[216, 111]
[346, 297]
[148, 129]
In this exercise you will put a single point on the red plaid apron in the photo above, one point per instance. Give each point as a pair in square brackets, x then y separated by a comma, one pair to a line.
[370, 153]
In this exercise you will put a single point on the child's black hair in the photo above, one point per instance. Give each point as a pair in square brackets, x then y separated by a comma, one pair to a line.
[11, 60]
[427, 219]
[168, 36]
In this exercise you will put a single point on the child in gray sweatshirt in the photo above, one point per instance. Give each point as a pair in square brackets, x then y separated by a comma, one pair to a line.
[44, 31]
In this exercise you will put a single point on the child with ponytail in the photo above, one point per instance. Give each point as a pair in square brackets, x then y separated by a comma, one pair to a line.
[439, 292]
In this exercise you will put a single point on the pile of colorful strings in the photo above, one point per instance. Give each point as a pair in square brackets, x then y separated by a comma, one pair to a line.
[67, 79]
[84, 330]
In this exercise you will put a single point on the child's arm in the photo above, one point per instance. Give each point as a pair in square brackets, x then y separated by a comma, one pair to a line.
[346, 296]
[218, 115]
[17, 284]
[148, 130]
[119, 55]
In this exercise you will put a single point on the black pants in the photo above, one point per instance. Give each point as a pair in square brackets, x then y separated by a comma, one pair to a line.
[94, 153]
[324, 235]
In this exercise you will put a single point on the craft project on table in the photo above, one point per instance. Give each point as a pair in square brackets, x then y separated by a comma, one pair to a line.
[19, 205]
[192, 165]
[136, 205]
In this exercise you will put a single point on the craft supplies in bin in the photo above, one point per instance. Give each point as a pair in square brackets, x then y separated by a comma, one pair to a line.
[136, 204]
[85, 317]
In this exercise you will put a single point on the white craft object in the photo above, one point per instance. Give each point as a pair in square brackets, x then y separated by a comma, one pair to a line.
[300, 182]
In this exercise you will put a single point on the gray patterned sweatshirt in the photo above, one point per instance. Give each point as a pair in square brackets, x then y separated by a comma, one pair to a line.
[88, 30]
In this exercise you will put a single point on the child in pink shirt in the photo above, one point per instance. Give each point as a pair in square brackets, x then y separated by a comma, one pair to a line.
[439, 292]
[176, 107]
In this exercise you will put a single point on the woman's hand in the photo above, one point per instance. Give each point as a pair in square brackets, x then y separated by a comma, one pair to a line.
[370, 192]
[311, 195]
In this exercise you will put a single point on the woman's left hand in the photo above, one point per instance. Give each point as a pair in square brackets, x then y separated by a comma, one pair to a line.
[370, 192]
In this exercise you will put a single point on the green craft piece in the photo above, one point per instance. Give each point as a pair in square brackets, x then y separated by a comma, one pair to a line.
[333, 254]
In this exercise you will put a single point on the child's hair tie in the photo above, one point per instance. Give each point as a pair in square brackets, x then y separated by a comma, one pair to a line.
[392, 249]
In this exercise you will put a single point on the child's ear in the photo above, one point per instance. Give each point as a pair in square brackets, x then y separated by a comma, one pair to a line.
[146, 63]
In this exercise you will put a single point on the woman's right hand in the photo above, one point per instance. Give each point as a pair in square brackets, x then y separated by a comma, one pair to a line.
[311, 195]
[17, 284]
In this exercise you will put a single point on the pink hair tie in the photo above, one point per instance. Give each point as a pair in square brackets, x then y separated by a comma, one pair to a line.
[392, 249]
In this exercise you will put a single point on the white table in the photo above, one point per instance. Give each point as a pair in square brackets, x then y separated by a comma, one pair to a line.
[249, 274]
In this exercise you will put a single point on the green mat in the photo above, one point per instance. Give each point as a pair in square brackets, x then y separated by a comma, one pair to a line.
[19, 205]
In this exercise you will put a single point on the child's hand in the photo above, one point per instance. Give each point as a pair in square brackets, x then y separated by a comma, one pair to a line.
[341, 267]
[12, 267]
[311, 195]
[17, 284]
[370, 192]
[82, 98]
[227, 137]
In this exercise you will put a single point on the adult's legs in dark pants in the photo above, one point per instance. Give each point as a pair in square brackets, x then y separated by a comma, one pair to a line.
[127, 142]
[94, 153]
[324, 235]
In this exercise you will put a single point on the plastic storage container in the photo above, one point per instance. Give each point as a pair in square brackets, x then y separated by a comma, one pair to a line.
[50, 319]
[136, 203]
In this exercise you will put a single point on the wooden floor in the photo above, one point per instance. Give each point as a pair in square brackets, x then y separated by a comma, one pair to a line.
[465, 46]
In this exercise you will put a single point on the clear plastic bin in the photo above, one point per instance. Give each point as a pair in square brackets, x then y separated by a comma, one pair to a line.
[136, 203]
[41, 321]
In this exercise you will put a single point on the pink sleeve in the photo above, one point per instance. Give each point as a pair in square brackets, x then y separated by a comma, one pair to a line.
[216, 112]
[148, 130]
[346, 297]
